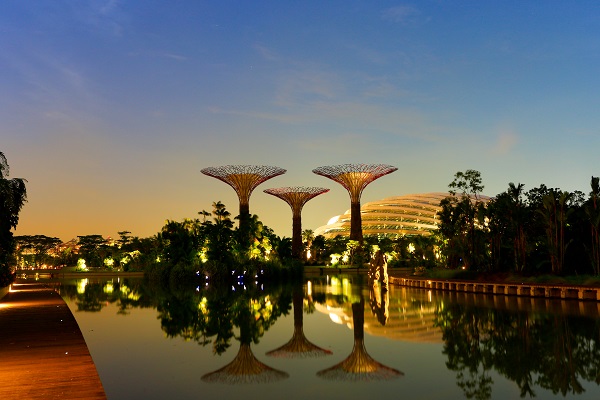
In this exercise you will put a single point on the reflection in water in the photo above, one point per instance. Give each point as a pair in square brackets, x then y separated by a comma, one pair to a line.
[92, 295]
[245, 367]
[378, 285]
[379, 300]
[298, 346]
[359, 365]
[550, 351]
[545, 348]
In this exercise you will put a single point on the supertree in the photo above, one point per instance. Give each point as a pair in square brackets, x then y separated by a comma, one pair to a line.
[355, 177]
[296, 197]
[243, 179]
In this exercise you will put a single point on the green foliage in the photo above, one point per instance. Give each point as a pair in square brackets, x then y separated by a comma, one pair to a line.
[462, 221]
[13, 196]
[94, 249]
[539, 231]
[34, 250]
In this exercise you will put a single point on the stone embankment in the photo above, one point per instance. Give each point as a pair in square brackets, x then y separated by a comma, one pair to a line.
[503, 288]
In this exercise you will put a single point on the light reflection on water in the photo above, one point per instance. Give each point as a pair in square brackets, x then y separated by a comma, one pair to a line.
[335, 337]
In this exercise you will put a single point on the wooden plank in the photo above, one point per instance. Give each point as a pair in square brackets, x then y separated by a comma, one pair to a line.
[43, 354]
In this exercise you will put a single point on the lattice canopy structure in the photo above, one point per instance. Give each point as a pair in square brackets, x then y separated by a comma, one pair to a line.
[299, 346]
[355, 177]
[243, 179]
[359, 365]
[296, 197]
[245, 369]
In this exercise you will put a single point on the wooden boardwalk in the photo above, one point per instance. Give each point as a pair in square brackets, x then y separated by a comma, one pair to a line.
[43, 354]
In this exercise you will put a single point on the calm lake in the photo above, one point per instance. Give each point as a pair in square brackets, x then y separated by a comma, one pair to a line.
[335, 337]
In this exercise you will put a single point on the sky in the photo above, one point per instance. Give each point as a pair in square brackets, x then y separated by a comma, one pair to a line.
[110, 108]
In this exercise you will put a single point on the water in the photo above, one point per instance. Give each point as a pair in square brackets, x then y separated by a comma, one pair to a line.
[335, 337]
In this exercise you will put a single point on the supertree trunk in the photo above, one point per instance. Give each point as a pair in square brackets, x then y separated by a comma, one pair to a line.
[297, 237]
[355, 222]
[296, 197]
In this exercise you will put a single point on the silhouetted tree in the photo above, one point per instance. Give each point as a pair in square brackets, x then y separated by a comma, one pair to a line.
[13, 196]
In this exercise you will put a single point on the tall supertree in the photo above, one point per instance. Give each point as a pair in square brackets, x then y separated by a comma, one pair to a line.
[243, 179]
[355, 177]
[296, 197]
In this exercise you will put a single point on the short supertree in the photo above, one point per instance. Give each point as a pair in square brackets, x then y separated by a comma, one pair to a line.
[355, 177]
[243, 179]
[296, 197]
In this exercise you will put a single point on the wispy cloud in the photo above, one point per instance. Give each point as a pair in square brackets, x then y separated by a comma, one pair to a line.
[346, 144]
[505, 142]
[305, 85]
[177, 57]
[103, 16]
[266, 53]
[403, 14]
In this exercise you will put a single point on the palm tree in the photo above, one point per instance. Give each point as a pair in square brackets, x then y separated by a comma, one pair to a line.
[555, 211]
[307, 238]
[519, 218]
[13, 196]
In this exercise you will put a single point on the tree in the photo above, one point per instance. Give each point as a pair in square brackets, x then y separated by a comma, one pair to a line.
[13, 195]
[508, 219]
[37, 247]
[219, 233]
[592, 210]
[93, 249]
[555, 211]
[461, 219]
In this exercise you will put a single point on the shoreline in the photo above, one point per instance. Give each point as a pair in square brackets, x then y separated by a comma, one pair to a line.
[402, 277]
[398, 277]
[549, 291]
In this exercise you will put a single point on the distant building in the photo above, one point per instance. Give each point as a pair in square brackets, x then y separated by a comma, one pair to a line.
[413, 214]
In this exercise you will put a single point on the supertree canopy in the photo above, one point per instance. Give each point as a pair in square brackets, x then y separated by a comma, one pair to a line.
[243, 179]
[296, 197]
[355, 177]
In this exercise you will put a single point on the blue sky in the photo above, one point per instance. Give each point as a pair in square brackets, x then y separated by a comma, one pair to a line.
[110, 109]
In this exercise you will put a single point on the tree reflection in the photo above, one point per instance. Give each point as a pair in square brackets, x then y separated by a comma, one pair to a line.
[251, 315]
[93, 295]
[551, 351]
[211, 315]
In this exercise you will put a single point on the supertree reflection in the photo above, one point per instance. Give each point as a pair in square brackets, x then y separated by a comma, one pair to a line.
[359, 365]
[299, 346]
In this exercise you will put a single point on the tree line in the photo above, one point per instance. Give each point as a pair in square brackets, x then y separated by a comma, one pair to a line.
[542, 230]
